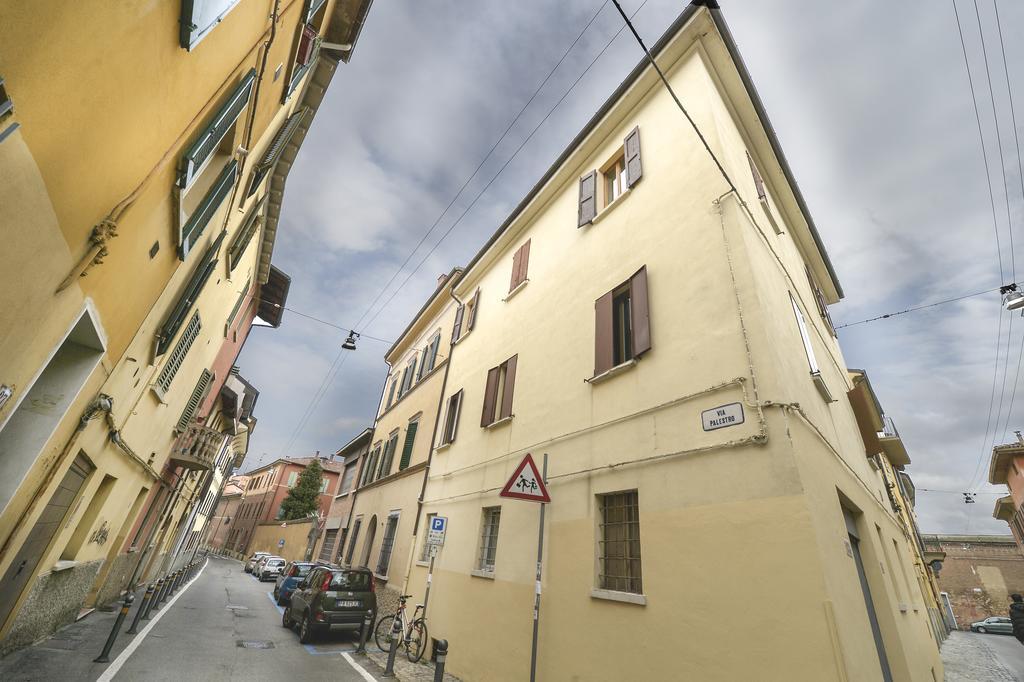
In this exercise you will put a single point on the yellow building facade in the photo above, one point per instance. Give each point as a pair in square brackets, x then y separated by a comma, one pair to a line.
[663, 339]
[142, 182]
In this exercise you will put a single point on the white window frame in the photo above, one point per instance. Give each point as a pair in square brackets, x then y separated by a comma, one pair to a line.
[801, 323]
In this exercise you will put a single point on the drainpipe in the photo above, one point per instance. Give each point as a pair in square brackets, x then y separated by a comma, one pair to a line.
[430, 453]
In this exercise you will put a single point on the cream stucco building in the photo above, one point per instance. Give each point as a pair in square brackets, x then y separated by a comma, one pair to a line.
[662, 336]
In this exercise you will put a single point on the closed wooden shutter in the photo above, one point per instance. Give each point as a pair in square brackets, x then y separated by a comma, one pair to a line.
[410, 438]
[195, 400]
[514, 281]
[457, 328]
[509, 386]
[758, 182]
[524, 262]
[189, 296]
[473, 307]
[490, 397]
[588, 198]
[640, 312]
[603, 334]
[327, 550]
[634, 169]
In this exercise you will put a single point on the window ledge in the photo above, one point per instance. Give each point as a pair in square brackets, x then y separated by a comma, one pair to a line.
[625, 597]
[157, 393]
[609, 373]
[478, 573]
[819, 384]
[63, 565]
[463, 334]
[442, 446]
[608, 209]
[503, 420]
[519, 287]
[425, 564]
[378, 576]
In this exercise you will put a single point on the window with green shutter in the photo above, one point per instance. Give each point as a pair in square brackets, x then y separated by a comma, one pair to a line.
[270, 157]
[170, 370]
[203, 148]
[197, 221]
[243, 237]
[410, 438]
[189, 295]
[195, 401]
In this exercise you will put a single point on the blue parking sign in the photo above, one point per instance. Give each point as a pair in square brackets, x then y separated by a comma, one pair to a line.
[437, 523]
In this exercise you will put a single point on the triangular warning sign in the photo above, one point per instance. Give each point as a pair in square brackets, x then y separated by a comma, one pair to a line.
[526, 483]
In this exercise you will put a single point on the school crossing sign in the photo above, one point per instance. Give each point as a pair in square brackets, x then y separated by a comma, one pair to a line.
[526, 483]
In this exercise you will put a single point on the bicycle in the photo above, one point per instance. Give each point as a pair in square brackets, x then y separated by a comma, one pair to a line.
[414, 638]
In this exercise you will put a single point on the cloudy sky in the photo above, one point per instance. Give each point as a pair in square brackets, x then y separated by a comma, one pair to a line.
[871, 102]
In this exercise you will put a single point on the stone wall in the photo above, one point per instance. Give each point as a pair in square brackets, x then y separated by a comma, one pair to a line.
[54, 601]
[979, 573]
[117, 578]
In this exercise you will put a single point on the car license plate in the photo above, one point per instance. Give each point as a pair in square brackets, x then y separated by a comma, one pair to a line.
[349, 604]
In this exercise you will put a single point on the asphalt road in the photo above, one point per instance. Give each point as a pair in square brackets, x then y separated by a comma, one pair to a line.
[218, 628]
[1007, 649]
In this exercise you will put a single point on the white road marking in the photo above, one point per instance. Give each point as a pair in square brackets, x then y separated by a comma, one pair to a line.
[123, 657]
[358, 668]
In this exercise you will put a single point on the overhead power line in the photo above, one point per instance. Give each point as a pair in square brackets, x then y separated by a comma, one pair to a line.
[339, 358]
[918, 307]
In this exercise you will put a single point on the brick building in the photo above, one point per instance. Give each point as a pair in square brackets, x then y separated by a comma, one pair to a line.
[335, 530]
[979, 573]
[265, 491]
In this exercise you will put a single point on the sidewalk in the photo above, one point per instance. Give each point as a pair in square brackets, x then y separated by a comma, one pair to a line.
[68, 653]
[404, 670]
[969, 659]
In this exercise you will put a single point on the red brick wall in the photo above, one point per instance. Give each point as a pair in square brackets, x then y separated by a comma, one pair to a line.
[979, 575]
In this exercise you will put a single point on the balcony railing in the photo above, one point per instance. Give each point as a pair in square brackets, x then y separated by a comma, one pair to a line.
[198, 447]
[893, 445]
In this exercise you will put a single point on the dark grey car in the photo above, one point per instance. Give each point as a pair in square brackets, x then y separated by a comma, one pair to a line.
[330, 597]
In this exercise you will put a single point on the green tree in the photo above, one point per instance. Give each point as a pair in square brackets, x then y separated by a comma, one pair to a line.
[304, 499]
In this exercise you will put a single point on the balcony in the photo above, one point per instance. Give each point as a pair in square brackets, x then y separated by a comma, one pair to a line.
[892, 444]
[1004, 510]
[197, 448]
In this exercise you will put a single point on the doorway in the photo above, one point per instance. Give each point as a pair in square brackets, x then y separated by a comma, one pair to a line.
[39, 538]
[876, 632]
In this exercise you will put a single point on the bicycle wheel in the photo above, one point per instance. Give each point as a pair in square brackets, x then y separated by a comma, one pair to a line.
[382, 633]
[417, 643]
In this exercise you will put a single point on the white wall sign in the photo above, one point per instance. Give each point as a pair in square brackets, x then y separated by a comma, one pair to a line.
[722, 416]
[438, 526]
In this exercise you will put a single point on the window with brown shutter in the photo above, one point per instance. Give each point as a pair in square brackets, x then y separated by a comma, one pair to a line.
[622, 328]
[819, 298]
[520, 265]
[588, 198]
[457, 327]
[498, 392]
[634, 169]
[451, 420]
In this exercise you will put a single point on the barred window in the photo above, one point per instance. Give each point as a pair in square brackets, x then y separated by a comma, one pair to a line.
[387, 544]
[619, 542]
[488, 538]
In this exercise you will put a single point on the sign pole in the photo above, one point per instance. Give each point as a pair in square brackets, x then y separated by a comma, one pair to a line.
[536, 596]
[430, 577]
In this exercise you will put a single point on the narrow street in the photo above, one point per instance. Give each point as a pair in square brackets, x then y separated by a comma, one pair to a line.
[225, 626]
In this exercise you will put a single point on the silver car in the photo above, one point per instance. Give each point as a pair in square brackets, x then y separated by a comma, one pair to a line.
[253, 560]
[998, 624]
[271, 568]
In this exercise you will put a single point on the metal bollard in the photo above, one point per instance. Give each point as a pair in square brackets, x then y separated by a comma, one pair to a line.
[162, 594]
[440, 653]
[396, 636]
[152, 602]
[146, 599]
[176, 582]
[364, 632]
[104, 656]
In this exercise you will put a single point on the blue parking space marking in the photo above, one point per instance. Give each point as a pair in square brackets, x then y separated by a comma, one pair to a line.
[310, 648]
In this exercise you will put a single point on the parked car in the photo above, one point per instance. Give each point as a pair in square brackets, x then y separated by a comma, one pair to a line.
[330, 598]
[289, 578]
[272, 568]
[997, 624]
[251, 563]
[258, 568]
